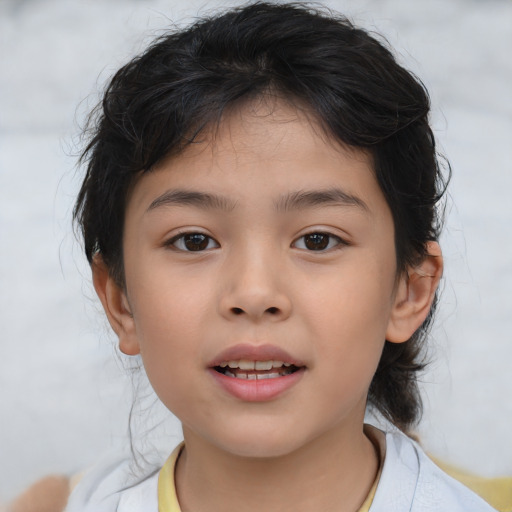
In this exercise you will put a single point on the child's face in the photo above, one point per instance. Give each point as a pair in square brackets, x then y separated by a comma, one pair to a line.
[268, 242]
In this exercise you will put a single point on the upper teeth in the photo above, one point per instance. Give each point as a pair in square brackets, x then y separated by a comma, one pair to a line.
[245, 364]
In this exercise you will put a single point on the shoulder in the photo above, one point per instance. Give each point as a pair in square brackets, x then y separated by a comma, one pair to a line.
[112, 486]
[411, 482]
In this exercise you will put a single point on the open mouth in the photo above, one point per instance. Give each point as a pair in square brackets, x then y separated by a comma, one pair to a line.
[255, 370]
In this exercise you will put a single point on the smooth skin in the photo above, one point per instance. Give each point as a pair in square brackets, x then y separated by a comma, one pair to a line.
[266, 232]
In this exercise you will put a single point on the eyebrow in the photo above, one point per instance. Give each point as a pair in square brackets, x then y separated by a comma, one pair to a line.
[202, 200]
[313, 198]
[289, 202]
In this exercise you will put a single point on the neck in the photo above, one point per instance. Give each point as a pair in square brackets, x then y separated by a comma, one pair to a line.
[334, 473]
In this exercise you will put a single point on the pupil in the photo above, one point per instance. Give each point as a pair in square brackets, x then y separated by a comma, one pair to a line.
[196, 242]
[317, 241]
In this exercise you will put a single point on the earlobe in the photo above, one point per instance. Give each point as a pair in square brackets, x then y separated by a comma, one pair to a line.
[116, 306]
[414, 295]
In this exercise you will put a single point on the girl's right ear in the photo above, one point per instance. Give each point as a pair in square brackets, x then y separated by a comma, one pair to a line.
[116, 306]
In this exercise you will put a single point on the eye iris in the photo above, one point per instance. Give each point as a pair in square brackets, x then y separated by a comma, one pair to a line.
[196, 242]
[316, 241]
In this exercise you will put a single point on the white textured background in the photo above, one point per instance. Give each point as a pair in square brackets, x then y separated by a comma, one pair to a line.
[64, 396]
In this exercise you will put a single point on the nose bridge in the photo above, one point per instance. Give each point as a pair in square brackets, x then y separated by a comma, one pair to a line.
[255, 286]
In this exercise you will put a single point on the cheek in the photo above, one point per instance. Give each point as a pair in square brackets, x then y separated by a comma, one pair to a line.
[349, 319]
[169, 298]
[169, 312]
[354, 304]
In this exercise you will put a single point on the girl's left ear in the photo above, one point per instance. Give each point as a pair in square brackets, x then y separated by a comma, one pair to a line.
[414, 295]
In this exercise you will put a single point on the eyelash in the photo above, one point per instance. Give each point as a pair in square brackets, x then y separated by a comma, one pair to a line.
[178, 242]
[327, 242]
[333, 241]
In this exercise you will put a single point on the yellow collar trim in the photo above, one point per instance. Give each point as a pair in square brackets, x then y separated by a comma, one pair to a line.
[365, 507]
[168, 499]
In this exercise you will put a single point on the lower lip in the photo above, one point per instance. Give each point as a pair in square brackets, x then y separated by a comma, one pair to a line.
[262, 390]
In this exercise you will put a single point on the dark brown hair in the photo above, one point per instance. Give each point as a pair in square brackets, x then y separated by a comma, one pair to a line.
[162, 100]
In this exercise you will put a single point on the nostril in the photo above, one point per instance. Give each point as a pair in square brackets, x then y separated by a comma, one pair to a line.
[237, 311]
[273, 310]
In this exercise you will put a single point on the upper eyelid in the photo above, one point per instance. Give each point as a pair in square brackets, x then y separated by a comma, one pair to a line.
[179, 232]
[341, 241]
[186, 231]
[324, 231]
[170, 241]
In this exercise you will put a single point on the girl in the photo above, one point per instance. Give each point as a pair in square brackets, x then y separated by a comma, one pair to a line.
[260, 215]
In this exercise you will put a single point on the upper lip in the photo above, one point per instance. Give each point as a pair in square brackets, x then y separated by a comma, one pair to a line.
[255, 353]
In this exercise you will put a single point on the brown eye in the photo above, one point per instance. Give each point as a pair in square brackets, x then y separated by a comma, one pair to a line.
[194, 242]
[317, 242]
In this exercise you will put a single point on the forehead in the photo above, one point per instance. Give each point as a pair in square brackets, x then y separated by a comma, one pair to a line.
[267, 128]
[262, 151]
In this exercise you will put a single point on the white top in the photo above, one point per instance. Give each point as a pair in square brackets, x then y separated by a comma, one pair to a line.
[409, 482]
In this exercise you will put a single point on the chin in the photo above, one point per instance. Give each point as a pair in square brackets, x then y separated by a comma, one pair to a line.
[260, 444]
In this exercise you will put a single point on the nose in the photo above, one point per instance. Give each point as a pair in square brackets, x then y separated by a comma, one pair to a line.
[255, 289]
